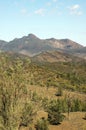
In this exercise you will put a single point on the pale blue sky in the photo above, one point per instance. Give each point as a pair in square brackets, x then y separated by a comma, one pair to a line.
[44, 18]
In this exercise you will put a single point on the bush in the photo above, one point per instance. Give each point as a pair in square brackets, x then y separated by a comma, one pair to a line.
[59, 92]
[27, 115]
[55, 118]
[42, 124]
[54, 113]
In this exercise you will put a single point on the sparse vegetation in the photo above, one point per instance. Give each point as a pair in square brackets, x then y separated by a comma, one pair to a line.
[19, 103]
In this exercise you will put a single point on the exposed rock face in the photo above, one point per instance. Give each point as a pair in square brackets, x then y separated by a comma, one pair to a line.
[64, 43]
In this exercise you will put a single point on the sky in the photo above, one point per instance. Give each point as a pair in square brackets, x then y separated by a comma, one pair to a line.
[45, 18]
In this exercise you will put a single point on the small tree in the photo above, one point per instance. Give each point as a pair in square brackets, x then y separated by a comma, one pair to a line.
[54, 113]
[48, 83]
[69, 104]
[12, 102]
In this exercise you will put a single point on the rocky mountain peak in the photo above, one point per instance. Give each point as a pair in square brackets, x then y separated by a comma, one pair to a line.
[32, 36]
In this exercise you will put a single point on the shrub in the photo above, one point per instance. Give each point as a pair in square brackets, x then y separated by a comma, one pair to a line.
[59, 92]
[42, 124]
[27, 115]
[54, 113]
[55, 118]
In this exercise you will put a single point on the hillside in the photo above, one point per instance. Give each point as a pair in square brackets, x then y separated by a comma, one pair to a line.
[80, 52]
[70, 75]
[32, 45]
[71, 72]
[28, 87]
[55, 56]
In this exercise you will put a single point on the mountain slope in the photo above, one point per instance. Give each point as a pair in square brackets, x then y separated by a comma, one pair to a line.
[80, 52]
[55, 56]
[69, 75]
[64, 43]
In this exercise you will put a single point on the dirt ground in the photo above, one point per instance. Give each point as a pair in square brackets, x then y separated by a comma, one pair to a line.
[74, 122]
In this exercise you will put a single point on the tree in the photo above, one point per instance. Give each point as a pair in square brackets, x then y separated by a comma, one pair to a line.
[11, 105]
[48, 84]
[69, 104]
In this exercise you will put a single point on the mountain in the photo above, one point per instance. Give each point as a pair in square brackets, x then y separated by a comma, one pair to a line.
[32, 45]
[29, 45]
[2, 44]
[64, 43]
[55, 56]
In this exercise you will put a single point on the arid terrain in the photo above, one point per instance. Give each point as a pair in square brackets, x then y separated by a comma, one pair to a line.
[46, 91]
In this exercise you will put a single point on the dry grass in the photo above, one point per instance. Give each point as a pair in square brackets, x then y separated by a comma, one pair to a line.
[75, 120]
[50, 93]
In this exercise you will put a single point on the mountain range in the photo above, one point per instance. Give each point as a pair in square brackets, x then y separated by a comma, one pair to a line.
[35, 47]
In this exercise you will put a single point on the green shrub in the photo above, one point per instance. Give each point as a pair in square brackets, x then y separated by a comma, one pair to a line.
[54, 113]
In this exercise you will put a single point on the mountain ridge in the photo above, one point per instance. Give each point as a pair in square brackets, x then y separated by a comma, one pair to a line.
[32, 45]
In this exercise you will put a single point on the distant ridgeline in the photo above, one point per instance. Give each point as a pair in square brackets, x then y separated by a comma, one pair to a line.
[31, 45]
